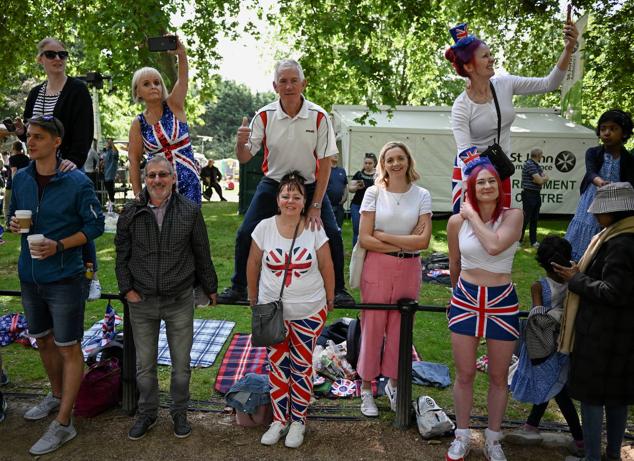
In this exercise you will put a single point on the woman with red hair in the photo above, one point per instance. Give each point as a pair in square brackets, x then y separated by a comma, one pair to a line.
[474, 115]
[482, 240]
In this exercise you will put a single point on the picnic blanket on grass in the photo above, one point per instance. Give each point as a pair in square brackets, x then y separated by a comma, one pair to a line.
[209, 337]
[242, 358]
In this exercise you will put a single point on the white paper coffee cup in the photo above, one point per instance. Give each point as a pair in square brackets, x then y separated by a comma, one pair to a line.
[34, 238]
[24, 220]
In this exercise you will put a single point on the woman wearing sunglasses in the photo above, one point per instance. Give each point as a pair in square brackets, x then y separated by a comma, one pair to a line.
[68, 99]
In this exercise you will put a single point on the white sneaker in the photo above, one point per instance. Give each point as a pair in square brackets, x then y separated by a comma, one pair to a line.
[459, 448]
[493, 451]
[43, 408]
[391, 395]
[368, 407]
[295, 436]
[275, 432]
[95, 290]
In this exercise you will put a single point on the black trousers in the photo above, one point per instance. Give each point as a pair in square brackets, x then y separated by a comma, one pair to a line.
[209, 191]
[531, 203]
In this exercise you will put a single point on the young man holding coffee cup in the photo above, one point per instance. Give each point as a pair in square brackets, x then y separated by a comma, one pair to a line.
[65, 213]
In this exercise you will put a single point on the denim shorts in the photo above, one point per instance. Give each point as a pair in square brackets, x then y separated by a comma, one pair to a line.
[56, 308]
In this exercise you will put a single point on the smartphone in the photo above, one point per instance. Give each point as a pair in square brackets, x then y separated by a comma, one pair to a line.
[164, 43]
[9, 125]
[569, 13]
[558, 258]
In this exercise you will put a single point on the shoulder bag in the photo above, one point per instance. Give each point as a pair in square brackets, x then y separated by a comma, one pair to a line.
[267, 320]
[494, 153]
[357, 258]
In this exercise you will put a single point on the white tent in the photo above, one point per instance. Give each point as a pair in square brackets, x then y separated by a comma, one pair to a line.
[427, 131]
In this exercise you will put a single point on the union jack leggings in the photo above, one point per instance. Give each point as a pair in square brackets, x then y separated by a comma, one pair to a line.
[291, 368]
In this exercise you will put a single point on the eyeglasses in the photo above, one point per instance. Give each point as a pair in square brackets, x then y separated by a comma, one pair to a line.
[50, 54]
[160, 174]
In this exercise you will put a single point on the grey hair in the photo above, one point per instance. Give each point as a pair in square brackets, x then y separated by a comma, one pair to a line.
[536, 152]
[160, 158]
[47, 41]
[142, 72]
[288, 64]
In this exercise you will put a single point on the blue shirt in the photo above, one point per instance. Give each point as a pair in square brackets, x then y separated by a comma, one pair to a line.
[337, 185]
[531, 167]
[110, 163]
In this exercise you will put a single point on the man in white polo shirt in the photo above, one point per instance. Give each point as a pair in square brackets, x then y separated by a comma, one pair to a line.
[296, 135]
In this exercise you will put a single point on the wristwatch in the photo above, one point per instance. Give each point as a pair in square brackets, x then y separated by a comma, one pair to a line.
[60, 246]
[316, 205]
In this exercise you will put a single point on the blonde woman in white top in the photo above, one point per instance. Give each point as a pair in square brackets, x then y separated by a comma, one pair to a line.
[395, 225]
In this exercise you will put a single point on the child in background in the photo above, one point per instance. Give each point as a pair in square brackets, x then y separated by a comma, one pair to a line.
[606, 163]
[542, 371]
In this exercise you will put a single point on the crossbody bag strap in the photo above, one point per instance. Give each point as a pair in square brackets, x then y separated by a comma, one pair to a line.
[288, 262]
[497, 110]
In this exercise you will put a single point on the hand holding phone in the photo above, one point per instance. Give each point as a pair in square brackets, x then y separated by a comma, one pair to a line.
[164, 43]
[9, 125]
[360, 184]
[558, 258]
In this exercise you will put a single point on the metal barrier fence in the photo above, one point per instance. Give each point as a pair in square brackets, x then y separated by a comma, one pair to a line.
[407, 308]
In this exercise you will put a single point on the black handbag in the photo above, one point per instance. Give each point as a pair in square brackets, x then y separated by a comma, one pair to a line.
[494, 153]
[267, 320]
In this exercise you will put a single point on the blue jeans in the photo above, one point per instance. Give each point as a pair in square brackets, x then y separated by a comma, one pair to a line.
[616, 420]
[531, 203]
[178, 314]
[339, 215]
[56, 308]
[355, 215]
[264, 205]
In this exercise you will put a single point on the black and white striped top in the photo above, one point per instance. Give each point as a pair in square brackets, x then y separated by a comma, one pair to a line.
[44, 104]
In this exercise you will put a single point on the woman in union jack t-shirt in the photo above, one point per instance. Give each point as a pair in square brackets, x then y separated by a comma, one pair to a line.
[309, 292]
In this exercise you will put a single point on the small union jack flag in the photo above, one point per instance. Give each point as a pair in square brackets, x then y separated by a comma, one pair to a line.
[484, 312]
[299, 264]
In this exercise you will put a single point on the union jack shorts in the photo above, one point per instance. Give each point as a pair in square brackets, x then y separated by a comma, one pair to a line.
[484, 312]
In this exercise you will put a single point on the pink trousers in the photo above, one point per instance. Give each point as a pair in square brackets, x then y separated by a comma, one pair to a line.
[384, 280]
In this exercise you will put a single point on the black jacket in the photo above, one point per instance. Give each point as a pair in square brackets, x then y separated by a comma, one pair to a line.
[602, 361]
[168, 261]
[74, 110]
[594, 162]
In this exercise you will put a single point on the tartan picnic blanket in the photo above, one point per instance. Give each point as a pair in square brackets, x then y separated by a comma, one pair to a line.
[242, 358]
[209, 337]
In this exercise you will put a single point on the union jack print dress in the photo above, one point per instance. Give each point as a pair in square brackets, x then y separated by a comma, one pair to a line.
[170, 137]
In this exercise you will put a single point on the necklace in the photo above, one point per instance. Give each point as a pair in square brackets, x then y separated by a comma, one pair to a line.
[397, 197]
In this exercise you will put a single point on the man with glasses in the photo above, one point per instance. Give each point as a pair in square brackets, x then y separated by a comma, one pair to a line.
[162, 252]
[65, 215]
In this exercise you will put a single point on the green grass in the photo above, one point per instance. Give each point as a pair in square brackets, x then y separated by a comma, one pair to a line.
[431, 336]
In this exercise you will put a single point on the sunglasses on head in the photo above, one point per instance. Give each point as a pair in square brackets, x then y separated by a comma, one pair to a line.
[50, 54]
[160, 174]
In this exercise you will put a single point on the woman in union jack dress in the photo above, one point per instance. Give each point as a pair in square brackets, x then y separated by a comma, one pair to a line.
[482, 240]
[162, 127]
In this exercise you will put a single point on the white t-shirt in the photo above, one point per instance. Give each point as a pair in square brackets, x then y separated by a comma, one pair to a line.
[397, 213]
[304, 295]
[292, 143]
[475, 124]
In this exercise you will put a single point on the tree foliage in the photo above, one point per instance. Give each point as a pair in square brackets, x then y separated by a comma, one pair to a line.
[383, 52]
[110, 37]
[222, 117]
